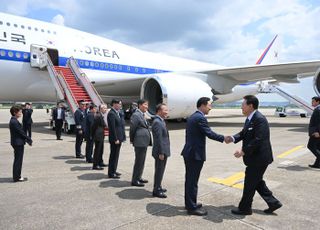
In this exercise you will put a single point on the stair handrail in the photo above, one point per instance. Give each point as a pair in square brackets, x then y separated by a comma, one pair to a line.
[84, 81]
[53, 76]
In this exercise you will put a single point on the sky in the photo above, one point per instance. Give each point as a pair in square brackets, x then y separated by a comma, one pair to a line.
[229, 33]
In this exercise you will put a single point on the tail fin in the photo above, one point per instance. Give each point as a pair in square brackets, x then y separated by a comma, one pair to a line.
[271, 54]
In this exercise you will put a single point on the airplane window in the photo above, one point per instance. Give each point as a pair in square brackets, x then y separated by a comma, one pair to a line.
[25, 56]
[42, 30]
[3, 53]
[101, 65]
[54, 32]
[115, 67]
[111, 67]
[120, 67]
[87, 63]
[36, 29]
[8, 24]
[49, 31]
[22, 26]
[29, 27]
[92, 64]
[15, 25]
[96, 64]
[18, 55]
[136, 69]
[143, 70]
[107, 66]
[34, 56]
[10, 54]
[81, 63]
[1, 22]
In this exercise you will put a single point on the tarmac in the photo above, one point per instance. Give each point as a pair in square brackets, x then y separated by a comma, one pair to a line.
[63, 192]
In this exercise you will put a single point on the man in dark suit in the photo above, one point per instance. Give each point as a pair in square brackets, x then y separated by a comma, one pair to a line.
[98, 136]
[27, 120]
[116, 137]
[314, 132]
[80, 120]
[194, 153]
[160, 148]
[58, 115]
[140, 137]
[257, 155]
[18, 140]
[88, 132]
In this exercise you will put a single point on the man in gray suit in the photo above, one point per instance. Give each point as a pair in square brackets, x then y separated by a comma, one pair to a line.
[140, 137]
[160, 149]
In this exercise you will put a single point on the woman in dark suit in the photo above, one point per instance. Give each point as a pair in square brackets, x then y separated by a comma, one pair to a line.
[18, 140]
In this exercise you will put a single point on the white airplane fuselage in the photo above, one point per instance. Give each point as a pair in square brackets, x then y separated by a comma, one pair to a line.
[117, 69]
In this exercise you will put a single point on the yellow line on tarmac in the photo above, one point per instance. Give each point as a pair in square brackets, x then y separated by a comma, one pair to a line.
[229, 181]
[282, 155]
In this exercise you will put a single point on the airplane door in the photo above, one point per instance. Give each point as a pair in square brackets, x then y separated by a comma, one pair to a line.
[37, 56]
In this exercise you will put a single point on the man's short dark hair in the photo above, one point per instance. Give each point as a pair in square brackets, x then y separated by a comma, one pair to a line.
[252, 100]
[202, 101]
[27, 103]
[141, 101]
[317, 99]
[159, 107]
[115, 101]
[92, 106]
[15, 109]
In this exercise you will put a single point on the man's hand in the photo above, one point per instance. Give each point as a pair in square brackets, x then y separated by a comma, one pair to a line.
[239, 153]
[161, 157]
[228, 139]
[117, 142]
[316, 135]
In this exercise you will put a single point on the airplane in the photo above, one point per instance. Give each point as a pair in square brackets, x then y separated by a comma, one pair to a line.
[118, 70]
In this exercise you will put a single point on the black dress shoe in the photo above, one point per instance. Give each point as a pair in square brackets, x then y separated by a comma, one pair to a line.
[198, 212]
[199, 205]
[118, 174]
[114, 176]
[80, 156]
[237, 211]
[103, 165]
[21, 179]
[97, 168]
[272, 208]
[314, 166]
[163, 190]
[137, 184]
[59, 139]
[143, 181]
[159, 194]
[89, 161]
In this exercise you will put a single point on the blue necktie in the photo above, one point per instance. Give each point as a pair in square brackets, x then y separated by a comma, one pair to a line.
[246, 123]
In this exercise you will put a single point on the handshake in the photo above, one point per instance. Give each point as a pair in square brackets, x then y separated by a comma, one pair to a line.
[228, 139]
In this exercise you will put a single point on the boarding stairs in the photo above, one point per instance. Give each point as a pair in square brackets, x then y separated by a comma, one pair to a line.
[72, 85]
[294, 99]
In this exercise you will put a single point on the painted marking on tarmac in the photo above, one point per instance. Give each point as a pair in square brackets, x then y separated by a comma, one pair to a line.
[286, 153]
[231, 181]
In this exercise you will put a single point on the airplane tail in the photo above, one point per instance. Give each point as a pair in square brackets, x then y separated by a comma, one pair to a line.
[271, 53]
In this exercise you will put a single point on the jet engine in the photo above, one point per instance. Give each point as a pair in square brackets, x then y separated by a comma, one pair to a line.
[178, 91]
[316, 82]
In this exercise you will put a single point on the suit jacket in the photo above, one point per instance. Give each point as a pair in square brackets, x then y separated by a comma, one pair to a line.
[55, 114]
[27, 116]
[161, 142]
[196, 132]
[314, 125]
[98, 127]
[116, 131]
[140, 135]
[89, 124]
[79, 118]
[18, 136]
[255, 139]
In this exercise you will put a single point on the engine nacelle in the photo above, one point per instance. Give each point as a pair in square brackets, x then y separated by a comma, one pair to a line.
[316, 82]
[178, 91]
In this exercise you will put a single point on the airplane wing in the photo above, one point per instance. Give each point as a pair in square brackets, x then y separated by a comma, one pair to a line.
[284, 72]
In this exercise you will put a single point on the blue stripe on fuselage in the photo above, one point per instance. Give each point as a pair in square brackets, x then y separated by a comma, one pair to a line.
[20, 56]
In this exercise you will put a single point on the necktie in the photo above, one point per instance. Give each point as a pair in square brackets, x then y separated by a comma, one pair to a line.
[246, 123]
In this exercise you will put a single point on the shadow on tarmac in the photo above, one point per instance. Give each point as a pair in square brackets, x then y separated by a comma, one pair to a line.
[93, 176]
[115, 184]
[134, 194]
[294, 168]
[6, 180]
